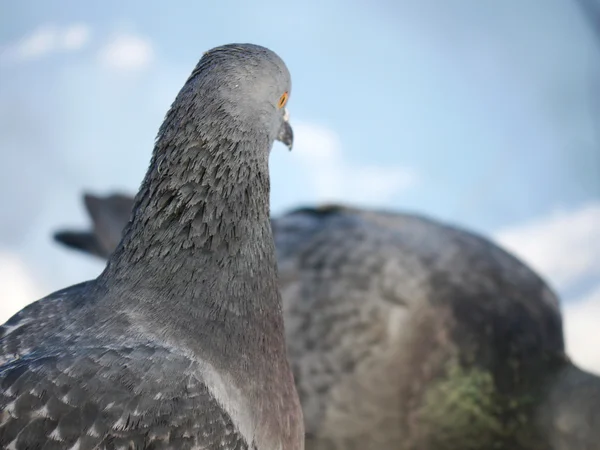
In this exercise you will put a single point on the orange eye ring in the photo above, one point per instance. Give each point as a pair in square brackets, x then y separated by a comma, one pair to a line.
[282, 100]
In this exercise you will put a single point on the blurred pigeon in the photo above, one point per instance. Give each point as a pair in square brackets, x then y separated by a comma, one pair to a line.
[406, 333]
[179, 343]
[109, 217]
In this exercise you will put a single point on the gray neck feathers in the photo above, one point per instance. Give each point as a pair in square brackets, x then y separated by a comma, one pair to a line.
[199, 199]
[197, 259]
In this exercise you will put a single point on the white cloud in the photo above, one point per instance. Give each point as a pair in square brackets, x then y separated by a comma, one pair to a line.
[127, 53]
[75, 37]
[564, 246]
[582, 331]
[17, 288]
[319, 150]
[46, 40]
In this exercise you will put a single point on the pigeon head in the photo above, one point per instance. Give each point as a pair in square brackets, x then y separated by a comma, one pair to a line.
[244, 88]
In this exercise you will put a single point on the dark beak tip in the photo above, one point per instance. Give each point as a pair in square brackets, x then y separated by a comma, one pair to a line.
[286, 135]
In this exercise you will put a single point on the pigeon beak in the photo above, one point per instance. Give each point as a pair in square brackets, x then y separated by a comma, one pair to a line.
[286, 134]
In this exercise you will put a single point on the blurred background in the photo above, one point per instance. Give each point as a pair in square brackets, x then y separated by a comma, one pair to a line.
[482, 114]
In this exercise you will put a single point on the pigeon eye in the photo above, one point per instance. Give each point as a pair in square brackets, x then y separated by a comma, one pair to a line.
[282, 100]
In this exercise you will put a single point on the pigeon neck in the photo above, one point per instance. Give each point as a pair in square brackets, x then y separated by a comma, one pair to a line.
[202, 213]
[196, 266]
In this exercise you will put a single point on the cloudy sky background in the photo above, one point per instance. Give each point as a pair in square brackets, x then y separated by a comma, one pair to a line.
[477, 113]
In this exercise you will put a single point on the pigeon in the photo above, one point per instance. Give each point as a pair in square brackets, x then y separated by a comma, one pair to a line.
[179, 342]
[408, 333]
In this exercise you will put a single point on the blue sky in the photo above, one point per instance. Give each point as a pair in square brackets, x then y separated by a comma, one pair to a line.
[478, 113]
